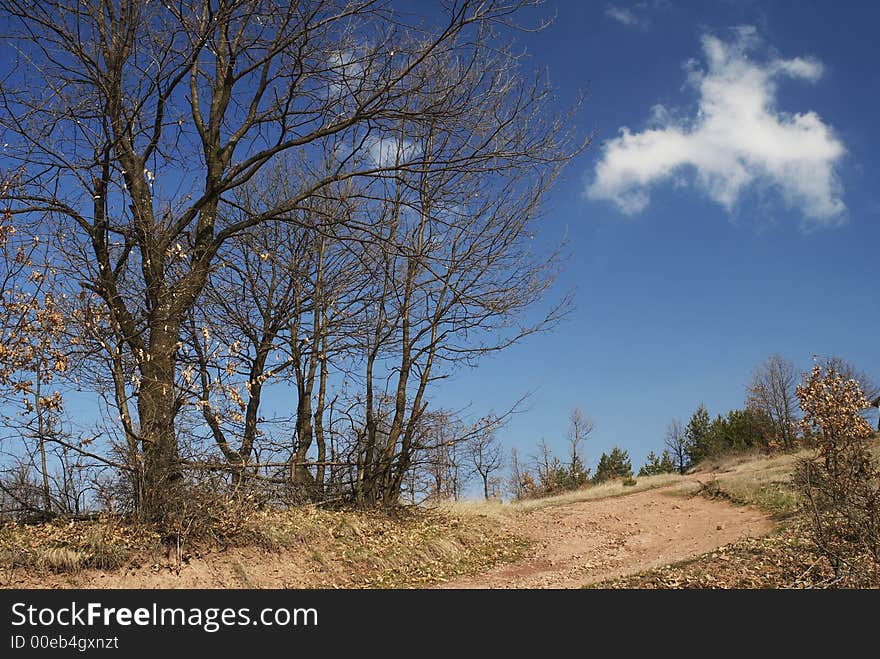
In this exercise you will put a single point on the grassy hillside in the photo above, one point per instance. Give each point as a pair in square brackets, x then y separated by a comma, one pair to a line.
[319, 548]
[420, 546]
[612, 488]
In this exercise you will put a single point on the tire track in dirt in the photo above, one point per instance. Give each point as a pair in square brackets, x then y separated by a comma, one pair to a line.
[588, 542]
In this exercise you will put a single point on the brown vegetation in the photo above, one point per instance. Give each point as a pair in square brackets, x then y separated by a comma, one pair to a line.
[301, 548]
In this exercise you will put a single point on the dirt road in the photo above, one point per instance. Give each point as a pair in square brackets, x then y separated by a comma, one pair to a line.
[587, 542]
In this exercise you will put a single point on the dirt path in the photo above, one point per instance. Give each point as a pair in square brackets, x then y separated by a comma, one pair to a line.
[587, 542]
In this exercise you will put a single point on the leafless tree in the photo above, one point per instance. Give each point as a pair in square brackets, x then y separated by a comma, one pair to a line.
[579, 428]
[545, 466]
[486, 457]
[455, 265]
[676, 443]
[136, 122]
[442, 456]
[516, 481]
[772, 390]
[274, 312]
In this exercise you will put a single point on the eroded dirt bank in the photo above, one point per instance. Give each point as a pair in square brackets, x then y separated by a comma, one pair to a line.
[587, 542]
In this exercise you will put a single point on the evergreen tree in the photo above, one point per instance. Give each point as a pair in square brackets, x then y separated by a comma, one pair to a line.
[613, 465]
[655, 465]
[739, 431]
[578, 474]
[697, 436]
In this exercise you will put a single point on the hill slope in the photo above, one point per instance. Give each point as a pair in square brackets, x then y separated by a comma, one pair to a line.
[585, 542]
[667, 531]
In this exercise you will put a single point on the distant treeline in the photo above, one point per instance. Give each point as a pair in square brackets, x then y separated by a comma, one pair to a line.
[770, 421]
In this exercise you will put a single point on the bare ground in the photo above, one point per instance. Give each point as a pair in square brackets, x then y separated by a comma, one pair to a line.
[591, 541]
[246, 567]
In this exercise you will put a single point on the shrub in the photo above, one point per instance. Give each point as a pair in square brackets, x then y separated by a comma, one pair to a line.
[841, 484]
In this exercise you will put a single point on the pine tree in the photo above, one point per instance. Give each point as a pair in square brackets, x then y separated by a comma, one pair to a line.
[655, 465]
[698, 436]
[614, 465]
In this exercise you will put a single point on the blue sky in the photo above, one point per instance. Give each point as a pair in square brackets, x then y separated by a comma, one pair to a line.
[738, 215]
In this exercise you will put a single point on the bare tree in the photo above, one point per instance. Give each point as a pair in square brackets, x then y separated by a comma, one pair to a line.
[676, 443]
[546, 466]
[516, 481]
[135, 123]
[441, 456]
[486, 456]
[580, 427]
[455, 265]
[274, 312]
[772, 390]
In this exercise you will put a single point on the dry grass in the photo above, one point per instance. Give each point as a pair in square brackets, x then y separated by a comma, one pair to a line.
[419, 547]
[780, 560]
[60, 559]
[63, 546]
[763, 481]
[759, 480]
[413, 548]
[495, 509]
[350, 548]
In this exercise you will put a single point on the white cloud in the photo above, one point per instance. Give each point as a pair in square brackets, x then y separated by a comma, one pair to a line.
[390, 151]
[638, 15]
[737, 139]
[622, 15]
[346, 75]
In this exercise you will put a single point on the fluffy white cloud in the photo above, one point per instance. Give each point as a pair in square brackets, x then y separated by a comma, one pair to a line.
[737, 139]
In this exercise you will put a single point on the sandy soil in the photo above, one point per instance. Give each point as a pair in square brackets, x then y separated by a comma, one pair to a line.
[588, 542]
[246, 567]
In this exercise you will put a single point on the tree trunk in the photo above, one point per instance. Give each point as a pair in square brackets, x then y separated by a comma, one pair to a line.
[252, 410]
[393, 480]
[366, 491]
[133, 454]
[304, 433]
[156, 408]
[305, 384]
[319, 419]
[41, 437]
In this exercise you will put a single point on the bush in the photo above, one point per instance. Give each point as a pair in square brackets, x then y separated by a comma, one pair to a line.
[841, 484]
